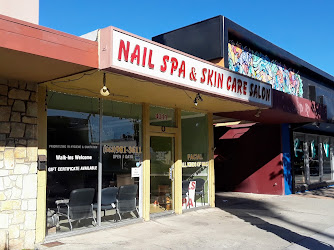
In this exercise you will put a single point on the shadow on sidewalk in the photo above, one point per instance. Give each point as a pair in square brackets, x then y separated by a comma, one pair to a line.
[251, 210]
[323, 193]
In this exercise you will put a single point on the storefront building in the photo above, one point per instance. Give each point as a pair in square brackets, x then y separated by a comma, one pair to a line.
[100, 132]
[110, 128]
[288, 147]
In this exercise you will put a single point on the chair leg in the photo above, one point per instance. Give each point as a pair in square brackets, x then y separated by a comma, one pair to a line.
[69, 221]
[68, 217]
[119, 215]
[95, 223]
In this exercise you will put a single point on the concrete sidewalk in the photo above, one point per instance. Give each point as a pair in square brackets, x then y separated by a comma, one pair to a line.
[240, 221]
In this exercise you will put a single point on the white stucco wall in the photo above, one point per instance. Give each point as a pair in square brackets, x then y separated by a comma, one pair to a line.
[26, 10]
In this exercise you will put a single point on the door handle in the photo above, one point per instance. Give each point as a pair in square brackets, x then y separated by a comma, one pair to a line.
[171, 173]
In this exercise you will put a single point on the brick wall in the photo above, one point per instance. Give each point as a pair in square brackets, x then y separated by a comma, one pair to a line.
[18, 163]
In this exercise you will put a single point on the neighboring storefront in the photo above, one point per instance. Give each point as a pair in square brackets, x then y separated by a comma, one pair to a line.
[313, 159]
[302, 94]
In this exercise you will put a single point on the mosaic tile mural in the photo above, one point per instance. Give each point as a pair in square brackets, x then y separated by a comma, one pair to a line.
[254, 64]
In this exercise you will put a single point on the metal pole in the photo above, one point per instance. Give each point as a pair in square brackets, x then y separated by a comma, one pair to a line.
[7, 241]
[99, 174]
[306, 163]
[321, 162]
[331, 153]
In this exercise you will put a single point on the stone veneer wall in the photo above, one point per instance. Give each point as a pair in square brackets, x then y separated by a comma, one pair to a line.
[18, 163]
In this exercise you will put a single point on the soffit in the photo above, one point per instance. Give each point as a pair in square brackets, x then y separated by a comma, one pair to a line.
[130, 89]
[33, 68]
[35, 53]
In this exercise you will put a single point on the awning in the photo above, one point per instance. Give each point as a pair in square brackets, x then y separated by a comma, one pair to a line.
[236, 131]
[286, 109]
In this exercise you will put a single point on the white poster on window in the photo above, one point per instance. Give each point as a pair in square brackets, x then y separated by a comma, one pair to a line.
[189, 201]
[135, 172]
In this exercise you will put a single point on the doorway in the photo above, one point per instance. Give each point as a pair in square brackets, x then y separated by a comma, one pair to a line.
[161, 174]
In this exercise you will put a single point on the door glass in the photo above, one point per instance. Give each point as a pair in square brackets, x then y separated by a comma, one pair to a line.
[326, 157]
[314, 158]
[162, 161]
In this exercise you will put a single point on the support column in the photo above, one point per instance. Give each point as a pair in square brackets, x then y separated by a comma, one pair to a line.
[321, 162]
[286, 159]
[41, 174]
[178, 165]
[211, 161]
[306, 163]
[146, 162]
[99, 168]
[331, 153]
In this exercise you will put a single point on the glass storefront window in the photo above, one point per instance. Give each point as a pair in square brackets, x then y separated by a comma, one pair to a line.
[73, 152]
[194, 159]
[326, 157]
[313, 150]
[160, 116]
[73, 156]
[313, 157]
[121, 149]
[299, 170]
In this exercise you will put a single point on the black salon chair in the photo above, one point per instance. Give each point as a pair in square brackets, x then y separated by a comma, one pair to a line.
[108, 199]
[126, 200]
[79, 206]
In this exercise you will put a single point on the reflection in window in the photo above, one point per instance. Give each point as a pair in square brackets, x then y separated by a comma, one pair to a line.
[122, 149]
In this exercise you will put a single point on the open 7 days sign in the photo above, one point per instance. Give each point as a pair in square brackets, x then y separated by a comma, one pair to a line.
[142, 57]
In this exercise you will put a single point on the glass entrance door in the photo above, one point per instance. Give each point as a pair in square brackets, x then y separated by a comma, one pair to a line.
[162, 162]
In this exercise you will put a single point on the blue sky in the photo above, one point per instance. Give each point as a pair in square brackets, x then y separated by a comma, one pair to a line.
[304, 28]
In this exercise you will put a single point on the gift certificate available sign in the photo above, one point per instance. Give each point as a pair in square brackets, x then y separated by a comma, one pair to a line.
[148, 59]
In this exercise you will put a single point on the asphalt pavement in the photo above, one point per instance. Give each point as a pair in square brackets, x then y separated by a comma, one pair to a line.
[239, 221]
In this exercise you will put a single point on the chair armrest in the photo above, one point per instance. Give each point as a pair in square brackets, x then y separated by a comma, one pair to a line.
[64, 201]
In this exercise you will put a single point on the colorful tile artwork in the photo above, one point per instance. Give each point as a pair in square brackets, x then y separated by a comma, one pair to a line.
[254, 64]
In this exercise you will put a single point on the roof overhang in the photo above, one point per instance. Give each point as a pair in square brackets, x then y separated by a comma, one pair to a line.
[286, 109]
[35, 53]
